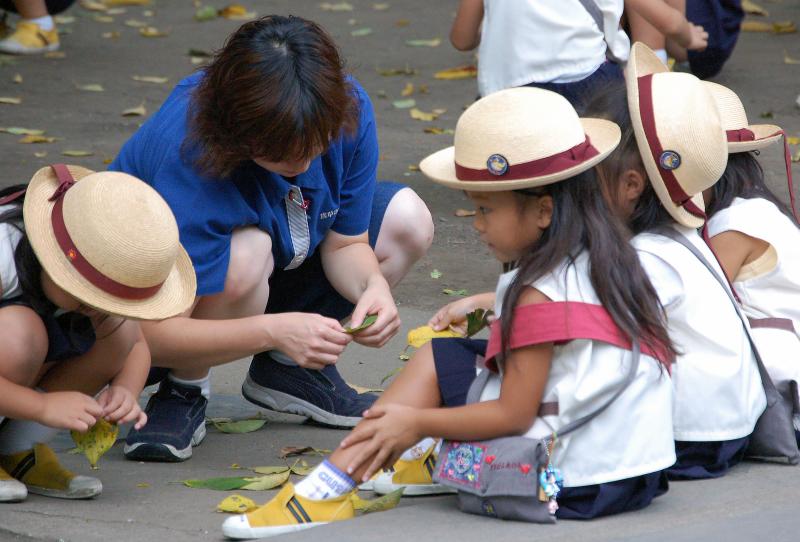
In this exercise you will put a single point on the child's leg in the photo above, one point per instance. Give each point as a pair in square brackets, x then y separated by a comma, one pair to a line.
[648, 34]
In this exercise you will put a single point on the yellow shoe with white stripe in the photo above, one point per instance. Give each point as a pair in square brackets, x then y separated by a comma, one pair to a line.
[42, 474]
[415, 475]
[11, 490]
[288, 513]
[30, 39]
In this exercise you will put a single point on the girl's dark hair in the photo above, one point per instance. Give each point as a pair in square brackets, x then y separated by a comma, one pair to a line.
[277, 90]
[582, 221]
[649, 213]
[743, 178]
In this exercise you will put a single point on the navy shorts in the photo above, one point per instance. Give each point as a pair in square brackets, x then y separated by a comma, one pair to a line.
[580, 93]
[69, 335]
[700, 460]
[722, 20]
[455, 361]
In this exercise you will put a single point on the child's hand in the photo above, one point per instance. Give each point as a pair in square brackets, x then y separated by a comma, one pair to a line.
[454, 314]
[386, 432]
[69, 410]
[698, 40]
[120, 406]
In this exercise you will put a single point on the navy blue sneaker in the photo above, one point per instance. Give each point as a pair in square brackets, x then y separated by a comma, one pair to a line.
[176, 421]
[322, 396]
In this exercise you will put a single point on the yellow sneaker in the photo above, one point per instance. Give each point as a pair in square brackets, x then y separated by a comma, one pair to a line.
[42, 474]
[415, 475]
[10, 489]
[29, 39]
[288, 513]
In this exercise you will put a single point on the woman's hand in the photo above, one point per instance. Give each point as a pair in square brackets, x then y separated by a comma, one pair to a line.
[377, 299]
[454, 314]
[69, 410]
[385, 432]
[121, 406]
[311, 340]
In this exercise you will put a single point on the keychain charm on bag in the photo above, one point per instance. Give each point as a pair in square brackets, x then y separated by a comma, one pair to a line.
[551, 482]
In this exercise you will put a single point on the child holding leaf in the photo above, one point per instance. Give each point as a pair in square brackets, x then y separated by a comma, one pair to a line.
[578, 323]
[83, 255]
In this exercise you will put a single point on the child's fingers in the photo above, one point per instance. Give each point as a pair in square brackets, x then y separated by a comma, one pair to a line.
[142, 421]
[374, 412]
[131, 415]
[359, 434]
[112, 404]
[380, 459]
[120, 412]
[366, 452]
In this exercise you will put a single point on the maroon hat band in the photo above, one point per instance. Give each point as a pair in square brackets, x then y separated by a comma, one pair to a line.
[498, 168]
[81, 264]
[740, 136]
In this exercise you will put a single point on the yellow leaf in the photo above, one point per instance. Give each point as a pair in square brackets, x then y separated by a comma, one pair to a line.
[387, 502]
[784, 27]
[236, 12]
[464, 213]
[96, 441]
[55, 54]
[36, 139]
[408, 90]
[422, 335]
[143, 485]
[139, 111]
[753, 9]
[133, 23]
[77, 154]
[10, 101]
[103, 19]
[461, 72]
[92, 87]
[397, 71]
[793, 140]
[40, 154]
[111, 35]
[417, 114]
[64, 19]
[268, 481]
[117, 11]
[153, 32]
[338, 6]
[150, 79]
[413, 167]
[380, 7]
[789, 60]
[796, 157]
[17, 78]
[756, 26]
[91, 5]
[236, 504]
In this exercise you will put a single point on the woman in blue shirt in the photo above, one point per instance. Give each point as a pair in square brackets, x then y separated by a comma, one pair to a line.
[268, 159]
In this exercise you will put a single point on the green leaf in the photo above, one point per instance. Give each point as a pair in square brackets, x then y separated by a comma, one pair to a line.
[477, 320]
[404, 104]
[358, 32]
[436, 274]
[198, 53]
[268, 481]
[270, 470]
[450, 291]
[767, 115]
[424, 43]
[218, 484]
[241, 426]
[368, 321]
[16, 130]
[206, 13]
[390, 375]
[387, 502]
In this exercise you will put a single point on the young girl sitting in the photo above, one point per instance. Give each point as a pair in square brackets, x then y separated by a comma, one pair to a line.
[658, 186]
[568, 313]
[80, 254]
[757, 239]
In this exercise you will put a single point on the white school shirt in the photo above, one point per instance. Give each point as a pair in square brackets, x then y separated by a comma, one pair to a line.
[525, 41]
[775, 294]
[633, 436]
[718, 391]
[9, 239]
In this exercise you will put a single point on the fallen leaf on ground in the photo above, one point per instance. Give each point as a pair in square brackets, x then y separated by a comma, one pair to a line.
[418, 114]
[227, 483]
[450, 291]
[380, 7]
[413, 167]
[143, 485]
[240, 426]
[41, 154]
[133, 23]
[106, 19]
[336, 6]
[76, 153]
[36, 139]
[784, 27]
[796, 157]
[438, 131]
[766, 115]
[236, 12]
[55, 54]
[366, 31]
[198, 52]
[435, 42]
[390, 375]
[289, 451]
[402, 23]
[464, 213]
[153, 32]
[16, 130]
[789, 60]
[387, 502]
[235, 466]
[781, 27]
[403, 357]
[362, 389]
[408, 90]
[436, 274]
[96, 441]
[368, 321]
[419, 336]
[150, 79]
[302, 468]
[404, 104]
[64, 19]
[117, 11]
[10, 101]
[268, 481]
[461, 72]
[397, 71]
[753, 9]
[206, 13]
[236, 504]
[139, 111]
[111, 35]
[91, 87]
[17, 78]
[793, 140]
[91, 5]
[270, 470]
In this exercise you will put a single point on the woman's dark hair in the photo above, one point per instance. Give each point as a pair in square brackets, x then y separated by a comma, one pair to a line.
[277, 90]
[743, 178]
[582, 221]
[649, 213]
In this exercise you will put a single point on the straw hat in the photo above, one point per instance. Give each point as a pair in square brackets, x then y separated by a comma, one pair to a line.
[520, 138]
[679, 133]
[110, 241]
[742, 136]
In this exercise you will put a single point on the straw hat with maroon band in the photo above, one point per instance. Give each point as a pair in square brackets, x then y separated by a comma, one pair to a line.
[742, 136]
[110, 241]
[520, 138]
[679, 134]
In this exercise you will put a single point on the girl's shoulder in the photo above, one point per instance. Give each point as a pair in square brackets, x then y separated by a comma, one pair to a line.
[746, 214]
[10, 237]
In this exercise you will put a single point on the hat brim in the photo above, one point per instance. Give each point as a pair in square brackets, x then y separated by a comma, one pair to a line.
[440, 166]
[642, 62]
[173, 298]
[766, 135]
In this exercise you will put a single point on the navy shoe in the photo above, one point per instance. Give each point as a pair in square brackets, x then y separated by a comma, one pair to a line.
[176, 421]
[323, 396]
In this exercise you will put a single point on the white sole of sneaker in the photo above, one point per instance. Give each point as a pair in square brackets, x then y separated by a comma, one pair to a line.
[15, 49]
[179, 455]
[283, 402]
[412, 490]
[236, 529]
[12, 491]
[86, 488]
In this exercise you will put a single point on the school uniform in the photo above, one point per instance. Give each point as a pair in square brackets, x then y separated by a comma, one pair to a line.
[69, 334]
[718, 391]
[634, 433]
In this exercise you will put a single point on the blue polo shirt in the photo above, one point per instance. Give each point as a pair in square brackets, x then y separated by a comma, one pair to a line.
[337, 189]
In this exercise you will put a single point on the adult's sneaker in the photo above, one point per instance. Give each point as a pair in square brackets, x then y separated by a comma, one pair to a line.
[30, 39]
[323, 396]
[175, 423]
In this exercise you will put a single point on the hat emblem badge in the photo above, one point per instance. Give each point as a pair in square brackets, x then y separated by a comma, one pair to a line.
[497, 164]
[670, 160]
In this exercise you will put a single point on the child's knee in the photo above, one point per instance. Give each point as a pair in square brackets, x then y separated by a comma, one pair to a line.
[25, 344]
[408, 223]
[250, 264]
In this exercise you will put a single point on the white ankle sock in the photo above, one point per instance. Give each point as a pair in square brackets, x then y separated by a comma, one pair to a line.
[45, 23]
[661, 54]
[325, 482]
[20, 435]
[418, 450]
[203, 383]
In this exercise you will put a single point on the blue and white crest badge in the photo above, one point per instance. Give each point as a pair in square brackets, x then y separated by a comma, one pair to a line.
[670, 160]
[497, 164]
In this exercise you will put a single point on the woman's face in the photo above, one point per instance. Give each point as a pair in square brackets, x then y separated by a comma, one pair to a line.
[287, 168]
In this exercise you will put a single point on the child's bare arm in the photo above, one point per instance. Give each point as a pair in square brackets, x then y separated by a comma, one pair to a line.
[465, 35]
[735, 249]
[65, 409]
[671, 22]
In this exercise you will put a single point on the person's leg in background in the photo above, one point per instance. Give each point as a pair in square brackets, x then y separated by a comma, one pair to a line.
[35, 32]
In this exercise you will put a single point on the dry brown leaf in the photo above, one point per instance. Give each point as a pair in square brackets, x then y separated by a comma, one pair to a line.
[460, 72]
[55, 54]
[28, 139]
[150, 79]
[402, 23]
[397, 71]
[153, 32]
[17, 78]
[139, 111]
[789, 60]
[408, 90]
[236, 12]
[753, 9]
[111, 35]
[423, 89]
[9, 100]
[784, 27]
[288, 451]
[91, 87]
[462, 213]
[91, 5]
